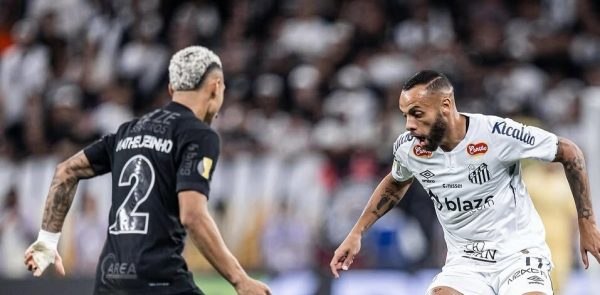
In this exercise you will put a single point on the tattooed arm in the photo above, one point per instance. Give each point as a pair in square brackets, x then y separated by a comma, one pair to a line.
[572, 159]
[387, 195]
[573, 162]
[62, 190]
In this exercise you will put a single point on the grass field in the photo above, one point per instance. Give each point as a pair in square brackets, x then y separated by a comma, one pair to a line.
[213, 284]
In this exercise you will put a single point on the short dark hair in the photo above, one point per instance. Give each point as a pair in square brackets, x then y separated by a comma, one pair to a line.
[436, 81]
[210, 68]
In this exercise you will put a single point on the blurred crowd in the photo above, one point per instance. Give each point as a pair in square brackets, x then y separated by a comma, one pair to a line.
[310, 113]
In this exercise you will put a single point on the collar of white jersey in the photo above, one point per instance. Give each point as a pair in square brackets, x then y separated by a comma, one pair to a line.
[462, 145]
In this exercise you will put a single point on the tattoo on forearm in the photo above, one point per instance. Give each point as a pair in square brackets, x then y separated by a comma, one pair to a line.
[62, 190]
[58, 203]
[579, 186]
[388, 200]
[576, 173]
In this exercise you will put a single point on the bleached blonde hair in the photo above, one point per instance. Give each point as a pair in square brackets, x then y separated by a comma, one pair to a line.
[188, 67]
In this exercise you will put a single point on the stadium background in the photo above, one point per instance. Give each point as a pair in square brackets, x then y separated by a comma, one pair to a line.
[307, 126]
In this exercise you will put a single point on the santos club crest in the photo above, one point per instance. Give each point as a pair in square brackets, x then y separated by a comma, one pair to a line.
[480, 175]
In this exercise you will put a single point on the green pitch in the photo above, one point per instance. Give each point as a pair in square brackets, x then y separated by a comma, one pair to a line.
[213, 284]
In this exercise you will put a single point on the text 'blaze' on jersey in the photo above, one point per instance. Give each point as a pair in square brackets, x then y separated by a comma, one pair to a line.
[476, 189]
[151, 159]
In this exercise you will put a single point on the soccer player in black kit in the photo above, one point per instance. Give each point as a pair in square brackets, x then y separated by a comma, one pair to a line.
[161, 165]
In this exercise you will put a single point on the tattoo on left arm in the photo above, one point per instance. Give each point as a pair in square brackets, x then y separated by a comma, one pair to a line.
[388, 201]
[62, 190]
[574, 164]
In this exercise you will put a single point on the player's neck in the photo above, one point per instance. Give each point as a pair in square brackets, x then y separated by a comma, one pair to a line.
[200, 110]
[455, 133]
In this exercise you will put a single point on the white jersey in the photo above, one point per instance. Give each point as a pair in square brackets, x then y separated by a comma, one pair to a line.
[480, 200]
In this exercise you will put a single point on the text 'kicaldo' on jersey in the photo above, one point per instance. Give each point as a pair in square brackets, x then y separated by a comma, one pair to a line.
[516, 133]
[145, 141]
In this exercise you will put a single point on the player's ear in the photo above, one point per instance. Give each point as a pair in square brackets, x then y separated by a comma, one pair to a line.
[446, 104]
[215, 87]
[170, 88]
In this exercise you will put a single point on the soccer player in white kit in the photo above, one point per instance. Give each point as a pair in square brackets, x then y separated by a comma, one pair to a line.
[469, 164]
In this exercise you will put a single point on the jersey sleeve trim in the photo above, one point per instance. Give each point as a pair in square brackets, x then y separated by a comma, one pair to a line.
[97, 169]
[400, 171]
[198, 186]
[98, 154]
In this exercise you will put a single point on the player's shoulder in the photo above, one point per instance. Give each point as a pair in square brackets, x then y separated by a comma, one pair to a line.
[191, 127]
[507, 129]
[495, 124]
[126, 127]
[492, 119]
[403, 143]
[480, 118]
[193, 124]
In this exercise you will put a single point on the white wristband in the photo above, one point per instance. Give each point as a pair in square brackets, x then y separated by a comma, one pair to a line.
[51, 239]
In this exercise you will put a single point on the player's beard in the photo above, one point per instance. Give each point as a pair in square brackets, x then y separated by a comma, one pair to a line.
[436, 134]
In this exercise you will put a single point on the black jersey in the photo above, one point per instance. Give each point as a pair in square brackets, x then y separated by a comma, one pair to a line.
[151, 159]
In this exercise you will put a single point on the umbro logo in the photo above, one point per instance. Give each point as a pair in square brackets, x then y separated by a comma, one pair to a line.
[536, 276]
[480, 175]
[535, 279]
[427, 174]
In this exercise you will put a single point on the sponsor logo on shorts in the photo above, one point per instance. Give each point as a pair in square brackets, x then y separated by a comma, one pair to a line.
[535, 280]
[427, 174]
[477, 148]
[478, 251]
[537, 276]
[421, 152]
[111, 269]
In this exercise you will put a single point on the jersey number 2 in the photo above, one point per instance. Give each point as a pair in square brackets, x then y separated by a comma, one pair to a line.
[128, 220]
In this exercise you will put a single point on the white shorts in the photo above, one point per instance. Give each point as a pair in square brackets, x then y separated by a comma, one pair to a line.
[518, 274]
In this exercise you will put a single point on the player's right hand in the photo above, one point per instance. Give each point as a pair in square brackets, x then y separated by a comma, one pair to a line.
[345, 253]
[252, 287]
[39, 256]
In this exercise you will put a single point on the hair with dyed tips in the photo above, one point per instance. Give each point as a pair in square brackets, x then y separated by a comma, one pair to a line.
[189, 66]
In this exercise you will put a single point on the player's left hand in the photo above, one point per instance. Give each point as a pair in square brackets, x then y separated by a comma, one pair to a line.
[589, 240]
[39, 256]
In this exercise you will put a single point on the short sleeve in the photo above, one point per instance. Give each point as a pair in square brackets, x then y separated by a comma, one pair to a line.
[400, 171]
[199, 154]
[98, 154]
[515, 141]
